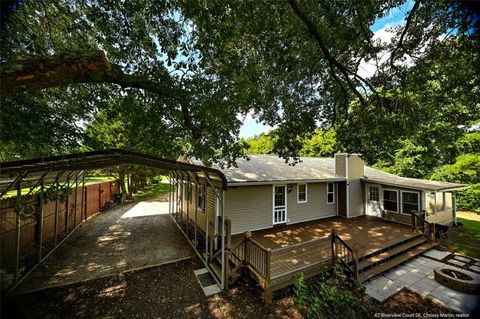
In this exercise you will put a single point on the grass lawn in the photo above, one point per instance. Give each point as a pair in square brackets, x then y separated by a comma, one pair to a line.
[152, 191]
[466, 240]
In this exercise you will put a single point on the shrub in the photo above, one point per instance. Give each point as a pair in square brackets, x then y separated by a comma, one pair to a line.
[333, 295]
[469, 199]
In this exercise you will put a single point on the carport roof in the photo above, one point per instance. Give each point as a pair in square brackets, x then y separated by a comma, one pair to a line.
[49, 168]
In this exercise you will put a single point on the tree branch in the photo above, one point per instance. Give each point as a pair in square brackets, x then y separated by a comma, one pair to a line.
[312, 28]
[44, 72]
[404, 32]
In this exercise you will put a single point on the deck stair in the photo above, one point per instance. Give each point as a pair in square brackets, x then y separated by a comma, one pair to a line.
[382, 260]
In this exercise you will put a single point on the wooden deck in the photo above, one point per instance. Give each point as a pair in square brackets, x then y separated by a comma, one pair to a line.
[304, 247]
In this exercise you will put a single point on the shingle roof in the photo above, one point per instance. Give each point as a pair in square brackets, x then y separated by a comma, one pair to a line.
[264, 169]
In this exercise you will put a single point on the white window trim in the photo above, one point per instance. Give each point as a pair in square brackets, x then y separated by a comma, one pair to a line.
[398, 199]
[401, 198]
[306, 194]
[332, 192]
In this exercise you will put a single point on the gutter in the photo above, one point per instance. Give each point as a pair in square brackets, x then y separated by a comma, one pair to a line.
[289, 181]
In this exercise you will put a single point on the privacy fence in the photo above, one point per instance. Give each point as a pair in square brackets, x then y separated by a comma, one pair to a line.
[42, 225]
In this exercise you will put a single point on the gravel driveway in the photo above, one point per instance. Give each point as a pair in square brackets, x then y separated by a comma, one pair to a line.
[133, 236]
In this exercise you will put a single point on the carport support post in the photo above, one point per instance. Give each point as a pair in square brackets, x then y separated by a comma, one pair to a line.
[67, 204]
[196, 214]
[182, 198]
[176, 197]
[40, 221]
[75, 202]
[18, 225]
[206, 223]
[55, 222]
[188, 203]
[83, 211]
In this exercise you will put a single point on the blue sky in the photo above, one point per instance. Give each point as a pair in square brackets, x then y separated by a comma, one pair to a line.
[394, 18]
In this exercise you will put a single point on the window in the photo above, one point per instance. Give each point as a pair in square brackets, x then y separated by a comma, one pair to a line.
[410, 202]
[390, 200]
[201, 197]
[301, 193]
[330, 193]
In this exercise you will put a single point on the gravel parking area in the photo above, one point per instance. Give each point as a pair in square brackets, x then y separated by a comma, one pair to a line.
[129, 237]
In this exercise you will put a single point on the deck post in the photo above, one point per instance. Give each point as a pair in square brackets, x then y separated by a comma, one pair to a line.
[247, 235]
[414, 220]
[268, 268]
[433, 232]
[333, 235]
[355, 261]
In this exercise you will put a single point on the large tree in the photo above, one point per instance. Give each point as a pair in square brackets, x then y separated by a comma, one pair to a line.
[203, 65]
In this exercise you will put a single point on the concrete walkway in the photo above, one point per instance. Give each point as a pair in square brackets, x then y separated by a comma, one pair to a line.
[417, 275]
[129, 237]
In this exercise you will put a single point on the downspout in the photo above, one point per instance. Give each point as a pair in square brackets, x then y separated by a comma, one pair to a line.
[348, 186]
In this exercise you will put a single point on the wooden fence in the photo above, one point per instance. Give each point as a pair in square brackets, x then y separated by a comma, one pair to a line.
[38, 236]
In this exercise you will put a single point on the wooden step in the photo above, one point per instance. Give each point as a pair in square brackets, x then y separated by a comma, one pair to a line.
[217, 270]
[394, 261]
[381, 257]
[399, 243]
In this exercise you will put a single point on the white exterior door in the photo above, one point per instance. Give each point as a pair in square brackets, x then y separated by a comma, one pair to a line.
[373, 200]
[279, 204]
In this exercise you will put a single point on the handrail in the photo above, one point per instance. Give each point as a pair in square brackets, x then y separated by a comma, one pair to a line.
[258, 244]
[300, 243]
[350, 253]
[424, 222]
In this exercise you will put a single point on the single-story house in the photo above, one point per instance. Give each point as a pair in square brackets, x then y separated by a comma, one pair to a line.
[264, 191]
[276, 220]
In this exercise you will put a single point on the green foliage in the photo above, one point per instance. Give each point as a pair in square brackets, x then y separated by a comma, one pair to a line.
[331, 296]
[261, 144]
[469, 199]
[316, 144]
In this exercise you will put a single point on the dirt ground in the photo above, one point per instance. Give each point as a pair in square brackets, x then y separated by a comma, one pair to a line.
[168, 291]
[172, 291]
[129, 237]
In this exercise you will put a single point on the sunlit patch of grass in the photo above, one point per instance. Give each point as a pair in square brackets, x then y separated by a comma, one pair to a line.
[152, 191]
[466, 239]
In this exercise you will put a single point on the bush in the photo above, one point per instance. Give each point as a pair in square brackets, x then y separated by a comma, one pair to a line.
[333, 295]
[469, 199]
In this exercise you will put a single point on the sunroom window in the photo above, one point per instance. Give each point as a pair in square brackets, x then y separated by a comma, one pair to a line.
[410, 202]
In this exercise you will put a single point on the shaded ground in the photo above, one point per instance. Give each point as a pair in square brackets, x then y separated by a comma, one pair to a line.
[168, 291]
[172, 291]
[129, 237]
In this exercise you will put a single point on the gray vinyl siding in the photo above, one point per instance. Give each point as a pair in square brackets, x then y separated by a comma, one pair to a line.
[356, 192]
[340, 165]
[201, 214]
[249, 207]
[316, 206]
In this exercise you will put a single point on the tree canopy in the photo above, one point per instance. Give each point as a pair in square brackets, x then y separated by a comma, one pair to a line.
[187, 71]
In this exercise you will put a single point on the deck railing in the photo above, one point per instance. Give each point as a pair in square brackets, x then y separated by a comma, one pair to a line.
[427, 228]
[347, 255]
[254, 257]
